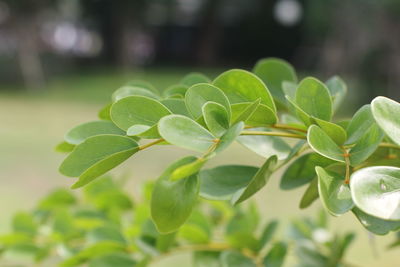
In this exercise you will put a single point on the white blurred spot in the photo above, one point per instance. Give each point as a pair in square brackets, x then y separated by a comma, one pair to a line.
[65, 36]
[321, 235]
[288, 12]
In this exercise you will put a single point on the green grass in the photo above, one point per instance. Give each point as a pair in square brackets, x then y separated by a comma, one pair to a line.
[33, 123]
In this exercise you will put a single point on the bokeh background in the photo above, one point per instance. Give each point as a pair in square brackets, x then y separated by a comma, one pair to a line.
[61, 59]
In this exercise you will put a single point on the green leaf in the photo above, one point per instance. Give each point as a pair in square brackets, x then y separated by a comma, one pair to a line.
[96, 156]
[243, 112]
[261, 116]
[302, 170]
[334, 193]
[113, 260]
[313, 97]
[222, 182]
[137, 110]
[334, 131]
[126, 91]
[265, 146]
[359, 124]
[338, 90]
[236, 259]
[176, 106]
[172, 202]
[104, 113]
[310, 195]
[199, 94]
[186, 133]
[273, 72]
[374, 224]
[216, 118]
[177, 90]
[321, 143]
[194, 78]
[194, 234]
[189, 169]
[229, 137]
[80, 133]
[376, 191]
[298, 112]
[268, 233]
[276, 255]
[106, 233]
[366, 145]
[258, 181]
[386, 113]
[64, 147]
[243, 86]
[165, 242]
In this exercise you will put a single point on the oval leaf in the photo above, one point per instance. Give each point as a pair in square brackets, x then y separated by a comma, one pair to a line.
[199, 94]
[376, 191]
[338, 89]
[334, 193]
[186, 133]
[387, 114]
[172, 201]
[194, 78]
[243, 86]
[126, 91]
[359, 124]
[137, 110]
[216, 118]
[222, 182]
[374, 224]
[97, 155]
[321, 143]
[313, 97]
[83, 131]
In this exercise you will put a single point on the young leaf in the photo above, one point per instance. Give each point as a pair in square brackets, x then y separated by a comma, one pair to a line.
[216, 118]
[199, 94]
[137, 110]
[194, 78]
[229, 136]
[64, 147]
[126, 91]
[386, 113]
[374, 224]
[104, 113]
[186, 133]
[258, 181]
[265, 146]
[273, 72]
[96, 156]
[189, 169]
[231, 258]
[222, 182]
[302, 170]
[80, 133]
[172, 202]
[338, 90]
[334, 193]
[298, 112]
[176, 106]
[359, 124]
[334, 131]
[376, 191]
[243, 112]
[313, 97]
[310, 195]
[276, 255]
[366, 145]
[261, 116]
[243, 86]
[321, 143]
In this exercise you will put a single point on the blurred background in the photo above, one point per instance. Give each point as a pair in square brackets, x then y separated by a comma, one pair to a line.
[61, 59]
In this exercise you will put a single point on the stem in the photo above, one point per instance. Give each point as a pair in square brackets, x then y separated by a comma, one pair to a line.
[151, 144]
[389, 145]
[273, 134]
[347, 160]
[287, 127]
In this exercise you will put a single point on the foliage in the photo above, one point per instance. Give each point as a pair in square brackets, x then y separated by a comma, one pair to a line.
[337, 159]
[104, 227]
